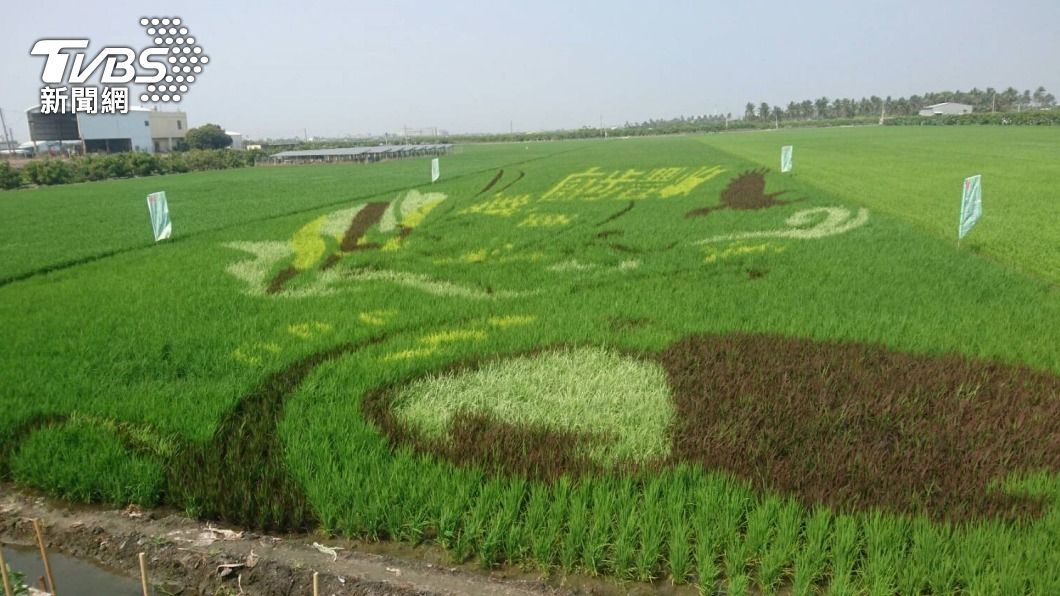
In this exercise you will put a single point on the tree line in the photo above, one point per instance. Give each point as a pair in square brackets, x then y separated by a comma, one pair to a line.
[981, 100]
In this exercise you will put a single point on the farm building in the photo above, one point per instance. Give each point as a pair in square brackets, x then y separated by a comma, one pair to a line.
[946, 108]
[167, 129]
[55, 127]
[362, 154]
[113, 133]
[237, 140]
[140, 129]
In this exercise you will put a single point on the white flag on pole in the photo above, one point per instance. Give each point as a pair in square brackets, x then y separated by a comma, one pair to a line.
[435, 170]
[785, 158]
[971, 205]
[158, 209]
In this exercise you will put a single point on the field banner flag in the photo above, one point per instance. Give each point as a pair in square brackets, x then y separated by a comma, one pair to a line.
[971, 205]
[785, 159]
[159, 211]
[435, 170]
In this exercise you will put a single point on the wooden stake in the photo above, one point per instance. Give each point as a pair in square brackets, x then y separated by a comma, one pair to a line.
[3, 575]
[316, 584]
[44, 557]
[143, 574]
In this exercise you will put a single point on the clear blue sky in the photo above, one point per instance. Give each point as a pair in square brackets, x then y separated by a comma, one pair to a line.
[339, 67]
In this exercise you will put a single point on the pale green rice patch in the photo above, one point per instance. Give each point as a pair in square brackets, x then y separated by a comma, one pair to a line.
[583, 390]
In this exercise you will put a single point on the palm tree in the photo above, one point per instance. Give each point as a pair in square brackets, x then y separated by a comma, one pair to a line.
[821, 106]
[1039, 96]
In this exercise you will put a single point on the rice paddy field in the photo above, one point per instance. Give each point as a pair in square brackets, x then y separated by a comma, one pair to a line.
[656, 359]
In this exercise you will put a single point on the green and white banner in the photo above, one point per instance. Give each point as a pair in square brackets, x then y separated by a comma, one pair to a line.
[785, 158]
[158, 209]
[971, 205]
[435, 170]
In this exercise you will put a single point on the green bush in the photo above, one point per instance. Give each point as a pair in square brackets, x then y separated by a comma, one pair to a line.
[48, 171]
[1028, 118]
[9, 177]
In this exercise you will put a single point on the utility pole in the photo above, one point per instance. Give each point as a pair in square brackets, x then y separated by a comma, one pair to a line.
[993, 103]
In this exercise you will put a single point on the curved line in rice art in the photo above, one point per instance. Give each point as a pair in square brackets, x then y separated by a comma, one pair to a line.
[808, 224]
[489, 185]
[512, 183]
[744, 192]
[617, 214]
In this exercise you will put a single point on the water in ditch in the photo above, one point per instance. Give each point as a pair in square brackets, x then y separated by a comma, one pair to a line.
[73, 577]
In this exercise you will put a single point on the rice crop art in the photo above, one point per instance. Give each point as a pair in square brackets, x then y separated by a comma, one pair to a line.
[651, 359]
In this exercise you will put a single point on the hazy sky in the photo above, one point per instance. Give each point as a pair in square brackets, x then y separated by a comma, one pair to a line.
[339, 66]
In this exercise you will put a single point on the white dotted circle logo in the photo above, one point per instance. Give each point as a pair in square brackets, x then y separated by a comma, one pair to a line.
[185, 56]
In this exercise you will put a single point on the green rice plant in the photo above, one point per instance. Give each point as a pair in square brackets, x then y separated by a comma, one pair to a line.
[479, 524]
[537, 523]
[885, 537]
[624, 549]
[601, 523]
[761, 524]
[652, 528]
[926, 549]
[84, 462]
[578, 521]
[707, 517]
[451, 527]
[811, 561]
[500, 542]
[739, 584]
[845, 549]
[679, 541]
[777, 558]
[1007, 562]
[555, 522]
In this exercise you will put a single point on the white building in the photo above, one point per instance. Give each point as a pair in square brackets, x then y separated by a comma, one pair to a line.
[112, 133]
[237, 140]
[946, 108]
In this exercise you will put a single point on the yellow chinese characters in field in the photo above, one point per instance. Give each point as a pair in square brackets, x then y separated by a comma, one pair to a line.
[500, 205]
[714, 255]
[432, 342]
[595, 184]
[545, 220]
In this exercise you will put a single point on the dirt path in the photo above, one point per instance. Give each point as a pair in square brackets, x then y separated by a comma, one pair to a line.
[190, 557]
